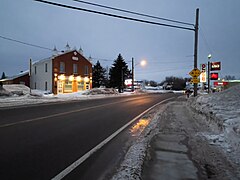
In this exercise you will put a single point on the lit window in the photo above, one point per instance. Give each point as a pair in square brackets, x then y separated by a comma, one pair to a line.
[62, 67]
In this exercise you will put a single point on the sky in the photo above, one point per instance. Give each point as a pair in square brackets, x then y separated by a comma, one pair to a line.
[168, 51]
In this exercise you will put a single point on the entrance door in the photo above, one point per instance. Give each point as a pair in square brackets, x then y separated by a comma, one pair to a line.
[59, 87]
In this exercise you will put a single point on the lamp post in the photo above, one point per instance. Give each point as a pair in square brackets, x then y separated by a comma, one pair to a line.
[209, 57]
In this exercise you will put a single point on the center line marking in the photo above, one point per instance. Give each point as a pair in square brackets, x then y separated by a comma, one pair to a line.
[60, 114]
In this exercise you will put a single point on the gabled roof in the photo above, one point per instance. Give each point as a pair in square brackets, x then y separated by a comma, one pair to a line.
[15, 76]
[60, 54]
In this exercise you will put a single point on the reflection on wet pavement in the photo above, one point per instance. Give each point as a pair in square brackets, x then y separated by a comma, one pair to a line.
[139, 126]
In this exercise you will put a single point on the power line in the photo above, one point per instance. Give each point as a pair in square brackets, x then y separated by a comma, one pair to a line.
[205, 40]
[114, 15]
[25, 43]
[132, 12]
[162, 71]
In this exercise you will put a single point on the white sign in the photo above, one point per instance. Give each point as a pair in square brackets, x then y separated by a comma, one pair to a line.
[203, 77]
[75, 58]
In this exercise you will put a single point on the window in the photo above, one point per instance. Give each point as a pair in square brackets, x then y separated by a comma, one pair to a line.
[46, 67]
[68, 86]
[85, 70]
[62, 67]
[75, 68]
[35, 69]
[35, 85]
[46, 86]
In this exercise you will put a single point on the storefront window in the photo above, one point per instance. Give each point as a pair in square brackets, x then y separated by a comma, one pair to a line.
[80, 86]
[68, 86]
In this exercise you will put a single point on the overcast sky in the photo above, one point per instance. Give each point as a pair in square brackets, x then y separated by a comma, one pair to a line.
[168, 51]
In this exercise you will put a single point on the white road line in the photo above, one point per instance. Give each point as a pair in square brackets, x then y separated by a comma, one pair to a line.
[75, 164]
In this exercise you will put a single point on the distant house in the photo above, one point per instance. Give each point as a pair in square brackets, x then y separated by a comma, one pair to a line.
[21, 78]
[67, 72]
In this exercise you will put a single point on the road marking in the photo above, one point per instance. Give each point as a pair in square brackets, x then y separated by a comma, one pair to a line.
[78, 162]
[63, 113]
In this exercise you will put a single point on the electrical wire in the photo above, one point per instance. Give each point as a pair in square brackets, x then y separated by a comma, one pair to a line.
[205, 40]
[113, 15]
[28, 44]
[162, 71]
[132, 12]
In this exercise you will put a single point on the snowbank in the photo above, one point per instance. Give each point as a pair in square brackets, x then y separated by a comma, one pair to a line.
[14, 89]
[132, 165]
[222, 109]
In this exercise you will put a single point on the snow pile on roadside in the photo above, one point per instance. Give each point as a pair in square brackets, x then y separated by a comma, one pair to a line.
[16, 94]
[97, 91]
[222, 109]
[14, 89]
[132, 165]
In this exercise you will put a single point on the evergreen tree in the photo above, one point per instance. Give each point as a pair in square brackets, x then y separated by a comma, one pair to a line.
[118, 73]
[99, 75]
[3, 75]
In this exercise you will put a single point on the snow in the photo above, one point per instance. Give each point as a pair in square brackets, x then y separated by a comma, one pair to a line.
[15, 95]
[220, 110]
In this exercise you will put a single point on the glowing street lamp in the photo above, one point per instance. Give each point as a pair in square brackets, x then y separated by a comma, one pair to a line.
[143, 63]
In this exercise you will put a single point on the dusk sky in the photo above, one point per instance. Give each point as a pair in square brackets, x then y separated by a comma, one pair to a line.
[168, 51]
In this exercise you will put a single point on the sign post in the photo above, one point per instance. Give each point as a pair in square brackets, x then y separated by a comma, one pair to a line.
[195, 73]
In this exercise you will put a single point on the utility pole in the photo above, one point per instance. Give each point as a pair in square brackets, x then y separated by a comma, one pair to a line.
[132, 75]
[30, 74]
[196, 48]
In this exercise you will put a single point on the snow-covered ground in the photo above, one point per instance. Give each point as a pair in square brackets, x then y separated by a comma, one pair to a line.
[221, 111]
[17, 94]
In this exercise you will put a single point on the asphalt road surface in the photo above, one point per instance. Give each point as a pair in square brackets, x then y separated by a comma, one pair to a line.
[40, 141]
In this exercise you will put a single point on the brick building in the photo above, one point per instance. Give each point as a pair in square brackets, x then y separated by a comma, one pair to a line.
[67, 72]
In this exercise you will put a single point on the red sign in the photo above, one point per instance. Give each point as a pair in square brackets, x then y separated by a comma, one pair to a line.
[215, 66]
[203, 67]
[220, 83]
[214, 76]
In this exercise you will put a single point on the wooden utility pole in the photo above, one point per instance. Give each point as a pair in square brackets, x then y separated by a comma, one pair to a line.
[30, 74]
[196, 49]
[132, 75]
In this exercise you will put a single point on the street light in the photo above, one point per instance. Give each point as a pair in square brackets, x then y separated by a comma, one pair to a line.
[209, 57]
[142, 63]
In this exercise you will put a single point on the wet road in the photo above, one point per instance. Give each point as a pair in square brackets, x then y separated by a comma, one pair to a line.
[38, 142]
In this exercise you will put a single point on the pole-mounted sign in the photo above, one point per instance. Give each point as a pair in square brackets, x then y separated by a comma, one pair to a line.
[215, 66]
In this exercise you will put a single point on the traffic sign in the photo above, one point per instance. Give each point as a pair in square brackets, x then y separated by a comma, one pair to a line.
[195, 73]
[195, 80]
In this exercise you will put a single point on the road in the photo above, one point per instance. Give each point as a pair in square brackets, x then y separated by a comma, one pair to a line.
[40, 141]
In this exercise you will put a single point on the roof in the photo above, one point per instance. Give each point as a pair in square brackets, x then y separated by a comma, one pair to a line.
[60, 53]
[15, 76]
